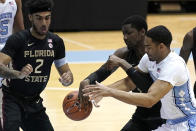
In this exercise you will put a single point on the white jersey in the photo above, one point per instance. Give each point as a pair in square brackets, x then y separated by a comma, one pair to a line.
[179, 101]
[7, 14]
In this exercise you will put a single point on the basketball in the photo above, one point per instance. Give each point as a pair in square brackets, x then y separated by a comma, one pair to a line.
[73, 109]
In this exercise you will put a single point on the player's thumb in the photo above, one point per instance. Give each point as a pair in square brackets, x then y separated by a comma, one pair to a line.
[60, 79]
[97, 83]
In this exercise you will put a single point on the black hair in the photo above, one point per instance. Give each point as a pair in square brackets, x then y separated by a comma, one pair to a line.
[137, 22]
[160, 34]
[34, 6]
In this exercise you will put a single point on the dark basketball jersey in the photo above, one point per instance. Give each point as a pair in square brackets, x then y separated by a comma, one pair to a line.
[142, 112]
[132, 57]
[24, 49]
[194, 47]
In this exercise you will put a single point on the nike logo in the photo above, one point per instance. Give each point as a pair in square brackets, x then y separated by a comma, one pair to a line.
[30, 44]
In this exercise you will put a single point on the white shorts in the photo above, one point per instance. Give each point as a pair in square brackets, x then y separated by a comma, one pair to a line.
[183, 126]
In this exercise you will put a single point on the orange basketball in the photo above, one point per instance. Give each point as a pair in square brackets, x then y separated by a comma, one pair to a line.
[73, 109]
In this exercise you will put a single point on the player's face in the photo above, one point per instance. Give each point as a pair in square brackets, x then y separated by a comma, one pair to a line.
[152, 49]
[41, 22]
[131, 35]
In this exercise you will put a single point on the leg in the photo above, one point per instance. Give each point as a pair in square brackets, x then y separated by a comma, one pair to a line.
[11, 113]
[36, 116]
[135, 125]
[41, 121]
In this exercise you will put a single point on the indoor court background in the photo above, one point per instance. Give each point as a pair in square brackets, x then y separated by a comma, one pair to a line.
[86, 52]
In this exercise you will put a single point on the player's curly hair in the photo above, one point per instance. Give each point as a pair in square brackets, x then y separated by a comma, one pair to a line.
[137, 22]
[39, 5]
[160, 34]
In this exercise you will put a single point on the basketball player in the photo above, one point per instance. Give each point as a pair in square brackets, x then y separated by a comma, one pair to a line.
[11, 20]
[32, 53]
[171, 83]
[188, 47]
[134, 29]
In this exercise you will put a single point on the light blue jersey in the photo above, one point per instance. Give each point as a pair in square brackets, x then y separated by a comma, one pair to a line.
[7, 14]
[179, 104]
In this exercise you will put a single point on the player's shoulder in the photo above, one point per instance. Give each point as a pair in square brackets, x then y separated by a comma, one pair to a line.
[21, 35]
[54, 36]
[120, 52]
[174, 60]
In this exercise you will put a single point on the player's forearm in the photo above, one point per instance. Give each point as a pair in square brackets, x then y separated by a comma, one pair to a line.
[138, 99]
[6, 72]
[100, 75]
[124, 84]
[125, 65]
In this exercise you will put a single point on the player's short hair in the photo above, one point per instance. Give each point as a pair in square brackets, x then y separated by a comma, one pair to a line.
[160, 34]
[35, 6]
[137, 22]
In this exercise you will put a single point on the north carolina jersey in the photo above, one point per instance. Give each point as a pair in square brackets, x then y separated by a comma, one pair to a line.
[25, 49]
[179, 101]
[7, 14]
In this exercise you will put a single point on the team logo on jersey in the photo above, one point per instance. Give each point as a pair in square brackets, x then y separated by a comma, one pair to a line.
[158, 70]
[11, 3]
[30, 44]
[50, 43]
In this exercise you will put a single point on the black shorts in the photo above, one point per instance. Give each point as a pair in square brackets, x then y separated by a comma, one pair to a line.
[143, 124]
[29, 114]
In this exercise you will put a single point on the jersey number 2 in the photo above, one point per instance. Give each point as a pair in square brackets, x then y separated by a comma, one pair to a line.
[41, 62]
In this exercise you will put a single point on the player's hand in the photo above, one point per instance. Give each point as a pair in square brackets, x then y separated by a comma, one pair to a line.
[26, 70]
[66, 78]
[97, 92]
[113, 61]
[83, 99]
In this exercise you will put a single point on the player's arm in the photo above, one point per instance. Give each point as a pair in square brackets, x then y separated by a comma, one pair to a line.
[66, 75]
[158, 89]
[6, 72]
[18, 20]
[107, 68]
[101, 74]
[187, 46]
[142, 80]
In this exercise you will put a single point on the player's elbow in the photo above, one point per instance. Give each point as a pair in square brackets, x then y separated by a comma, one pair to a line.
[149, 103]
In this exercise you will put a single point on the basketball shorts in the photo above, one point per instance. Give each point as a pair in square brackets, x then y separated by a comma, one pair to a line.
[29, 114]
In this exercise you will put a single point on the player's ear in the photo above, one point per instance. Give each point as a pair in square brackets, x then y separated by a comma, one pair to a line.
[162, 46]
[143, 32]
[30, 17]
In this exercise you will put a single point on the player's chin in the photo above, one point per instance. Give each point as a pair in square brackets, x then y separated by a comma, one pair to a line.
[43, 32]
[151, 59]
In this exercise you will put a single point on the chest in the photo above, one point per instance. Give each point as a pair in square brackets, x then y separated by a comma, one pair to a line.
[155, 70]
[36, 53]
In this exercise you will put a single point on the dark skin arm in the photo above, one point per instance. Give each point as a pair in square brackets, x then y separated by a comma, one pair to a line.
[187, 46]
[18, 20]
[107, 69]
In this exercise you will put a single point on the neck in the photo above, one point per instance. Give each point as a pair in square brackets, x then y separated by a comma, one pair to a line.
[2, 1]
[36, 35]
[163, 56]
[140, 48]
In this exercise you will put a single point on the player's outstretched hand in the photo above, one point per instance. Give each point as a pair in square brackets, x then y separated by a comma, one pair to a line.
[66, 78]
[97, 92]
[26, 70]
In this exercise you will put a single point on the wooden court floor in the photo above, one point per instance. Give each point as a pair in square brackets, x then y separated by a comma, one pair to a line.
[112, 114]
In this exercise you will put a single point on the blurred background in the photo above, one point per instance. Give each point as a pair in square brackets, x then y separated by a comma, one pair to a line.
[79, 15]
